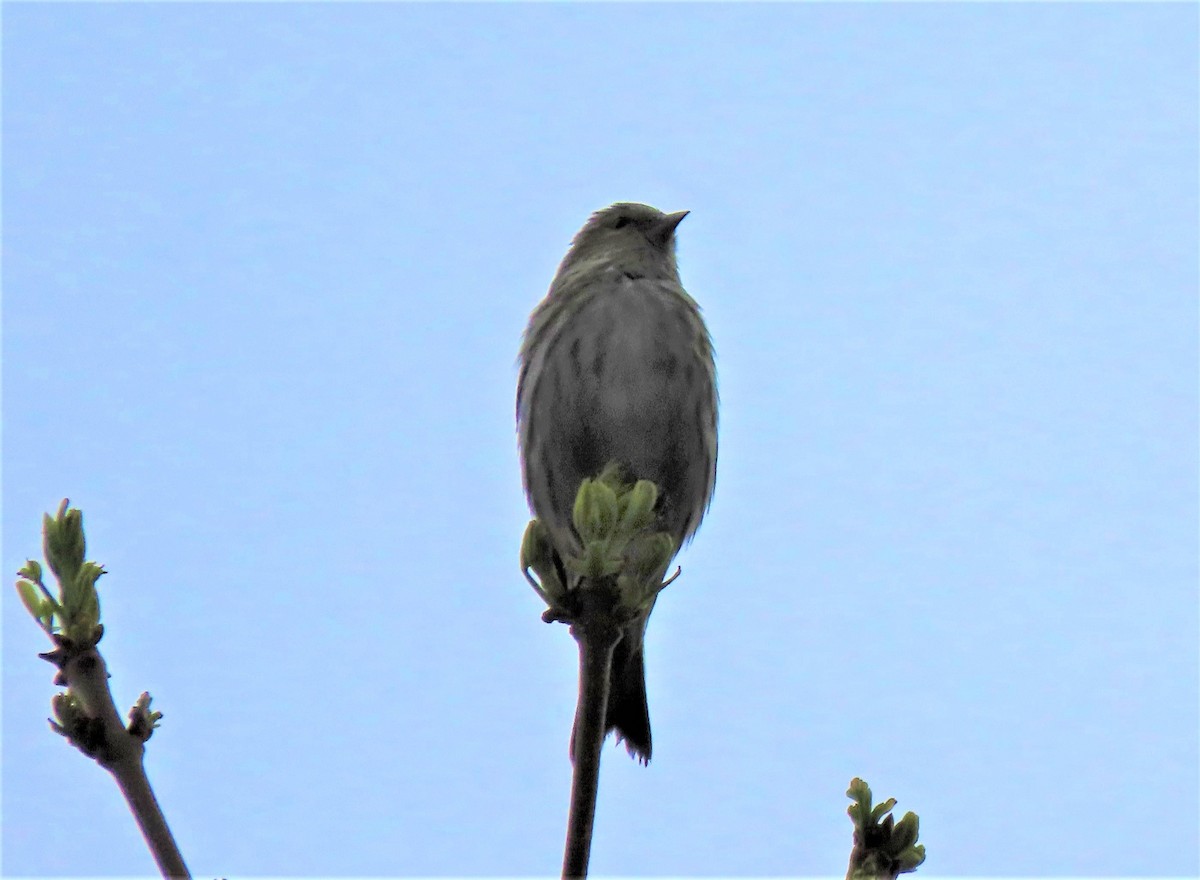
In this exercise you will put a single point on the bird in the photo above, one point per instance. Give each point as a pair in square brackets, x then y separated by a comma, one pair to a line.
[616, 367]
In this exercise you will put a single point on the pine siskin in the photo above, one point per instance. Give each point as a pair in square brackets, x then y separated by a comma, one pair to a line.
[617, 366]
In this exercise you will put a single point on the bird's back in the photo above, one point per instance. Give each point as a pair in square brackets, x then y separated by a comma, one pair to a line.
[627, 378]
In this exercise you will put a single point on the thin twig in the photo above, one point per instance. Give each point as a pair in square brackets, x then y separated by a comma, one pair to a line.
[134, 784]
[121, 753]
[597, 631]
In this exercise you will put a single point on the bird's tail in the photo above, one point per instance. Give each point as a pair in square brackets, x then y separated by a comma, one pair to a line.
[628, 714]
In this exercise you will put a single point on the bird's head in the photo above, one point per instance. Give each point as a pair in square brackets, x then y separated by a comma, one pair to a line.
[629, 235]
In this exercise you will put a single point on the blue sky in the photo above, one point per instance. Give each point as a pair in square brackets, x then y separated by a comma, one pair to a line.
[266, 268]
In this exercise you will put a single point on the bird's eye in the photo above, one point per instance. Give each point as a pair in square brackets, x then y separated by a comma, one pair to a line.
[621, 221]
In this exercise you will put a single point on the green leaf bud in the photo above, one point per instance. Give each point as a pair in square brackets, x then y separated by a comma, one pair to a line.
[31, 599]
[904, 834]
[910, 859]
[638, 506]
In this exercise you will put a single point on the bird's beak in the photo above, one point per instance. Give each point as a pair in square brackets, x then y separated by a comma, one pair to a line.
[666, 227]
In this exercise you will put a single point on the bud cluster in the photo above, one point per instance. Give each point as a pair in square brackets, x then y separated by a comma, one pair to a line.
[614, 521]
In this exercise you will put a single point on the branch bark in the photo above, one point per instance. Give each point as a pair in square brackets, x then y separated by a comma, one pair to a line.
[120, 752]
[597, 631]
